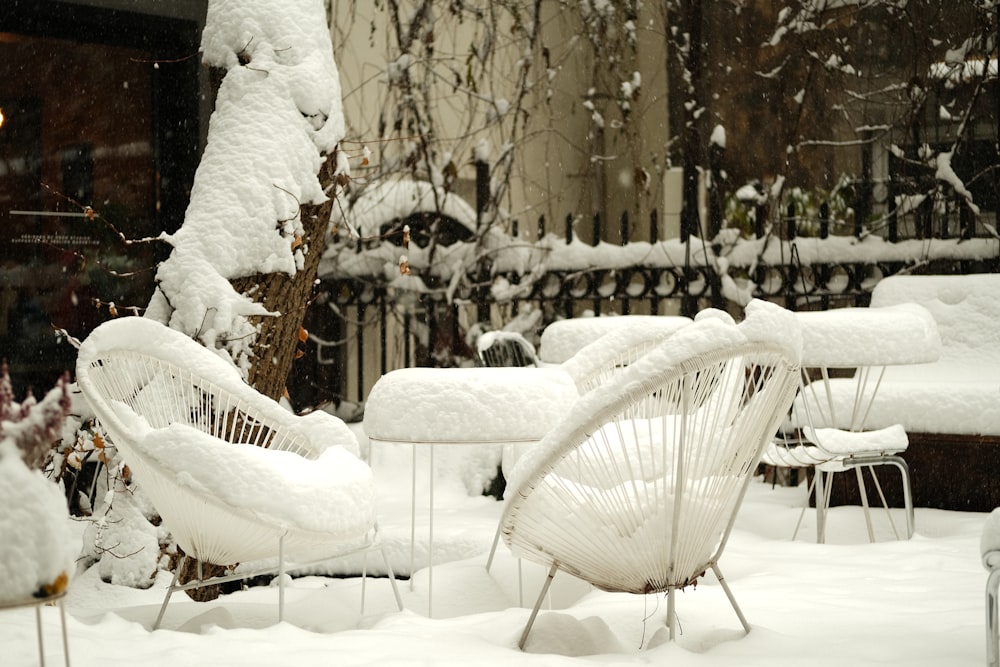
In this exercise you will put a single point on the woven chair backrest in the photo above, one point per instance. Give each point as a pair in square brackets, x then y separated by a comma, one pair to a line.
[164, 393]
[640, 495]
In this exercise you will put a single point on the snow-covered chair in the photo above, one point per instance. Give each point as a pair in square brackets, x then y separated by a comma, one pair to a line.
[990, 549]
[834, 414]
[637, 489]
[597, 363]
[563, 339]
[505, 348]
[235, 477]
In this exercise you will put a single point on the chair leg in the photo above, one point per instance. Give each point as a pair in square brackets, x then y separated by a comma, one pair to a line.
[364, 580]
[38, 634]
[170, 591]
[863, 493]
[392, 579]
[65, 635]
[729, 594]
[809, 492]
[538, 604]
[281, 579]
[493, 549]
[992, 649]
[822, 504]
[671, 615]
[904, 472]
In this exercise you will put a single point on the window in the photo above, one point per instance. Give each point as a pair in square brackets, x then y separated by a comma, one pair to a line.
[99, 135]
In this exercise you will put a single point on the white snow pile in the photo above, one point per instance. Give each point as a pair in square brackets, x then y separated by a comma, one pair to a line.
[278, 114]
[37, 545]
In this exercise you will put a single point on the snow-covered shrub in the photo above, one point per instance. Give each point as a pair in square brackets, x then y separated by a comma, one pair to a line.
[37, 547]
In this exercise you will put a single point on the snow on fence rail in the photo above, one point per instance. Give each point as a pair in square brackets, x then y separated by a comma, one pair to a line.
[371, 318]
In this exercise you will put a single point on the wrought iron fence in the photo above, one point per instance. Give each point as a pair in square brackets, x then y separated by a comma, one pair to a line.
[365, 321]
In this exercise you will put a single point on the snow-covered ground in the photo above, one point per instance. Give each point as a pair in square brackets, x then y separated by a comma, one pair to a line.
[848, 602]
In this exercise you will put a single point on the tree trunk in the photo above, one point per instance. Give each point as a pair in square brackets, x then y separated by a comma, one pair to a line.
[287, 297]
[275, 349]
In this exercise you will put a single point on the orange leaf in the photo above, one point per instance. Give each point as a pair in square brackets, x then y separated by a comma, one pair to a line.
[98, 441]
[303, 335]
[299, 354]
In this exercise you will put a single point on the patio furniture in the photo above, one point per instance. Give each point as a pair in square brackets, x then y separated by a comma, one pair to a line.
[594, 365]
[504, 349]
[235, 477]
[637, 489]
[470, 407]
[602, 359]
[562, 339]
[833, 413]
[990, 548]
[38, 603]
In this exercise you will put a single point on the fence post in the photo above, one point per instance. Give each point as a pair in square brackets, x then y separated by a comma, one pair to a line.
[360, 370]
[892, 230]
[654, 226]
[863, 206]
[790, 222]
[541, 227]
[482, 272]
[624, 231]
[482, 190]
[759, 218]
[596, 230]
[965, 220]
[569, 228]
[715, 213]
[824, 220]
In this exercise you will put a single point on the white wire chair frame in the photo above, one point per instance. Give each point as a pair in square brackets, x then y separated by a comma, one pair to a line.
[594, 365]
[835, 439]
[128, 380]
[637, 491]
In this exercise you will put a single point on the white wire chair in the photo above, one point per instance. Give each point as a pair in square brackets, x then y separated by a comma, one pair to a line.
[505, 348]
[834, 413]
[235, 477]
[594, 365]
[638, 488]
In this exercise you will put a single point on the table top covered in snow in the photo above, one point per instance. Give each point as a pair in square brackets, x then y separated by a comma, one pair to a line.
[467, 405]
[853, 337]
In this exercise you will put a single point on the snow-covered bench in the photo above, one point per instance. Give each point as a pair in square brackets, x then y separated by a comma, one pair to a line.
[960, 392]
[950, 407]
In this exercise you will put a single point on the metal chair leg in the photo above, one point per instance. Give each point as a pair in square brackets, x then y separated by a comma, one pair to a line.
[732, 598]
[38, 634]
[493, 549]
[538, 604]
[65, 635]
[170, 591]
[392, 579]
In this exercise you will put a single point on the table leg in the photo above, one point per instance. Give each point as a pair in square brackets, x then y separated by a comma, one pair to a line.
[430, 536]
[413, 511]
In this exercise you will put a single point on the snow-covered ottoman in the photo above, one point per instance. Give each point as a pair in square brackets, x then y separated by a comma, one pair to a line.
[481, 409]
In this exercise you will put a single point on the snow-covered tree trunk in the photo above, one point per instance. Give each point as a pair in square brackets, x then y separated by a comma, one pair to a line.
[242, 267]
[243, 263]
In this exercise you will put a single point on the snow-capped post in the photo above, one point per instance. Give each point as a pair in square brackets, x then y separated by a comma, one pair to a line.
[241, 271]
